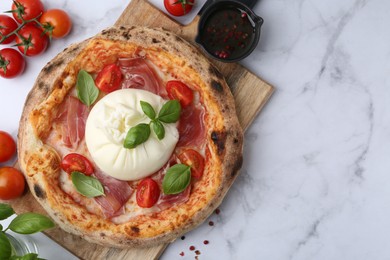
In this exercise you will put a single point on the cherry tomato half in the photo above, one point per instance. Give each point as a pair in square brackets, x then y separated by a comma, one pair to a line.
[75, 162]
[29, 9]
[12, 63]
[57, 21]
[193, 159]
[178, 7]
[109, 78]
[148, 193]
[11, 183]
[178, 90]
[7, 26]
[31, 40]
[7, 146]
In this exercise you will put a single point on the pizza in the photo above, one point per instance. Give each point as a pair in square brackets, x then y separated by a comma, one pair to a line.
[130, 138]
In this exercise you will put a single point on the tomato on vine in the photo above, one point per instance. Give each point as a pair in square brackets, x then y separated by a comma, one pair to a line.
[7, 26]
[26, 9]
[178, 7]
[56, 23]
[12, 64]
[31, 40]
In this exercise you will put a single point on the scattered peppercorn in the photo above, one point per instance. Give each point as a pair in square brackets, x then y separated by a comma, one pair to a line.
[192, 248]
[217, 211]
[181, 254]
[206, 242]
[197, 252]
[183, 237]
[211, 223]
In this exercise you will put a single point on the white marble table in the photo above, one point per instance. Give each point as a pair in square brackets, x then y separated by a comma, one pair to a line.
[315, 183]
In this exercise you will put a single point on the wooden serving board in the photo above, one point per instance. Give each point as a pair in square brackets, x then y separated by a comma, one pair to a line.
[250, 93]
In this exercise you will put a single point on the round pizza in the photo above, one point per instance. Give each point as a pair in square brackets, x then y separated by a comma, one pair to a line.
[130, 138]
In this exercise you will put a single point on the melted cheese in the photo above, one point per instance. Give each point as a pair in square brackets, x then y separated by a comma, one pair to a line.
[106, 129]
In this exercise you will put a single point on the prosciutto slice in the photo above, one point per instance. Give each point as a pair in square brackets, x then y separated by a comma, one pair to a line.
[191, 126]
[117, 193]
[72, 116]
[167, 201]
[140, 75]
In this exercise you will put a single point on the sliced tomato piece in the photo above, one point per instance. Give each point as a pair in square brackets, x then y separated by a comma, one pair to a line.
[180, 91]
[75, 162]
[109, 78]
[193, 159]
[148, 193]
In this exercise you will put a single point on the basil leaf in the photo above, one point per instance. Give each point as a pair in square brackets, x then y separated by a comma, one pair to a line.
[170, 112]
[5, 246]
[176, 179]
[148, 110]
[5, 211]
[87, 92]
[30, 256]
[158, 129]
[137, 135]
[88, 186]
[29, 223]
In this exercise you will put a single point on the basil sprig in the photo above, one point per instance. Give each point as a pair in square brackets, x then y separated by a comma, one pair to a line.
[87, 91]
[27, 223]
[169, 113]
[177, 178]
[88, 186]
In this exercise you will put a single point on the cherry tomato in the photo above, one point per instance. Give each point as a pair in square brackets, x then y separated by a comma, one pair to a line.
[148, 193]
[193, 159]
[11, 183]
[178, 7]
[7, 26]
[57, 21]
[7, 146]
[28, 9]
[178, 90]
[32, 39]
[109, 78]
[12, 63]
[75, 162]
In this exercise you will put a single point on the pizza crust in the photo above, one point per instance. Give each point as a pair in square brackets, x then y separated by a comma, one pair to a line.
[40, 163]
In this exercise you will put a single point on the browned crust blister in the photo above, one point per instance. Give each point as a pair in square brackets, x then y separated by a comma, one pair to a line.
[224, 140]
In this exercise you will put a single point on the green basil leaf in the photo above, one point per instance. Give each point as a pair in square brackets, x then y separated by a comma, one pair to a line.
[177, 178]
[30, 256]
[87, 92]
[5, 246]
[29, 223]
[137, 135]
[5, 211]
[148, 110]
[170, 112]
[88, 186]
[158, 129]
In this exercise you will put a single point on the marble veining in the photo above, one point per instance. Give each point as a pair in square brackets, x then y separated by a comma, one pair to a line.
[315, 180]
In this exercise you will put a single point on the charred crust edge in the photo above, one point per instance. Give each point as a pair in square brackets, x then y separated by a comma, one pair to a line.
[39, 192]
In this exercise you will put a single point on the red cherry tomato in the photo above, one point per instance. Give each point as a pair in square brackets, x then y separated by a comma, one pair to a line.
[193, 159]
[7, 26]
[11, 183]
[178, 7]
[7, 146]
[148, 193]
[29, 9]
[58, 21]
[178, 90]
[12, 63]
[109, 78]
[31, 40]
[75, 162]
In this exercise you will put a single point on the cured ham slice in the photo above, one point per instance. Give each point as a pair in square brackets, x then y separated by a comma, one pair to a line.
[117, 193]
[72, 117]
[167, 201]
[191, 126]
[139, 74]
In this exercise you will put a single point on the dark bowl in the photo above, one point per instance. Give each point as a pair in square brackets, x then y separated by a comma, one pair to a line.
[215, 7]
